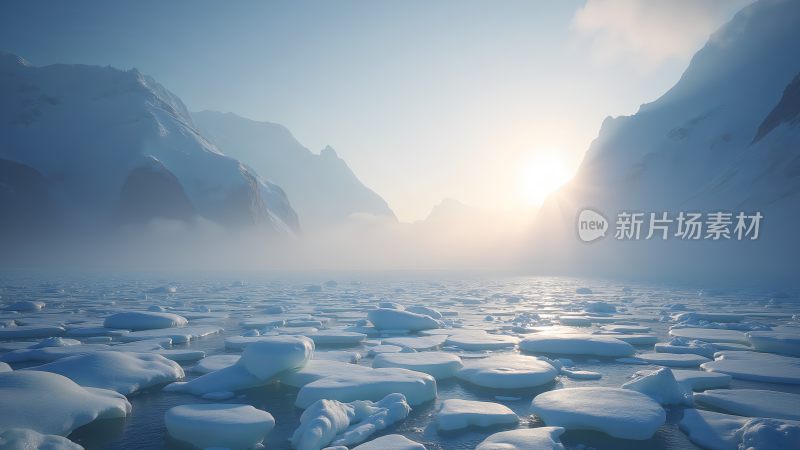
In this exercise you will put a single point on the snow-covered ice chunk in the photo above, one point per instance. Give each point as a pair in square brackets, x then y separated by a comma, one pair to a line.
[577, 374]
[384, 348]
[52, 353]
[782, 342]
[710, 334]
[697, 380]
[481, 340]
[122, 372]
[231, 426]
[336, 337]
[259, 364]
[425, 311]
[214, 362]
[718, 431]
[49, 403]
[672, 359]
[391, 442]
[182, 355]
[316, 369]
[30, 331]
[576, 344]
[683, 345]
[756, 366]
[178, 335]
[418, 343]
[25, 439]
[339, 355]
[508, 372]
[26, 306]
[336, 423]
[541, 438]
[393, 319]
[440, 365]
[373, 384]
[661, 386]
[4, 367]
[277, 354]
[144, 320]
[55, 342]
[620, 413]
[752, 402]
[627, 329]
[455, 414]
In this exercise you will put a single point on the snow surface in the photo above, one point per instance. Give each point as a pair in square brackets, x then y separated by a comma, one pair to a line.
[455, 414]
[231, 426]
[621, 413]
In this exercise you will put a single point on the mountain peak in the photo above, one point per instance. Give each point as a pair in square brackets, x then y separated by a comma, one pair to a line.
[12, 60]
[328, 152]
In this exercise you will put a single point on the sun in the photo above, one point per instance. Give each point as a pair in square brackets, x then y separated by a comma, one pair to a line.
[541, 176]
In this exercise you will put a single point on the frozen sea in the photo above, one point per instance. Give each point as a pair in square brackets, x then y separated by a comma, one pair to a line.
[499, 305]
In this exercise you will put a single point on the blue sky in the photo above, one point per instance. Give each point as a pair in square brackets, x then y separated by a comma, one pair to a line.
[473, 100]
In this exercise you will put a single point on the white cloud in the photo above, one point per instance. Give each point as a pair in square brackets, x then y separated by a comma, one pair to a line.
[650, 31]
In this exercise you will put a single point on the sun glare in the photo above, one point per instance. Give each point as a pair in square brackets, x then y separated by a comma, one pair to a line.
[542, 176]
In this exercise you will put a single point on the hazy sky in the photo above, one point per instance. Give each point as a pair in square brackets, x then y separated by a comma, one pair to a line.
[489, 102]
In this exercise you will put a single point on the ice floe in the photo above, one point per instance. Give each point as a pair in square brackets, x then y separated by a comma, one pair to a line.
[455, 414]
[752, 402]
[393, 319]
[259, 364]
[710, 334]
[661, 386]
[440, 365]
[508, 371]
[316, 369]
[481, 340]
[718, 431]
[576, 344]
[620, 413]
[373, 384]
[25, 439]
[782, 342]
[541, 438]
[756, 366]
[49, 403]
[144, 320]
[230, 426]
[390, 442]
[346, 424]
[122, 372]
[668, 359]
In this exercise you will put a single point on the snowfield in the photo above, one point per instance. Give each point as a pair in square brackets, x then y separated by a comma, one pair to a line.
[384, 364]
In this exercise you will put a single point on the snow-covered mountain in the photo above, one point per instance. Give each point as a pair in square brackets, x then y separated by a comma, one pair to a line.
[321, 187]
[725, 138]
[94, 147]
